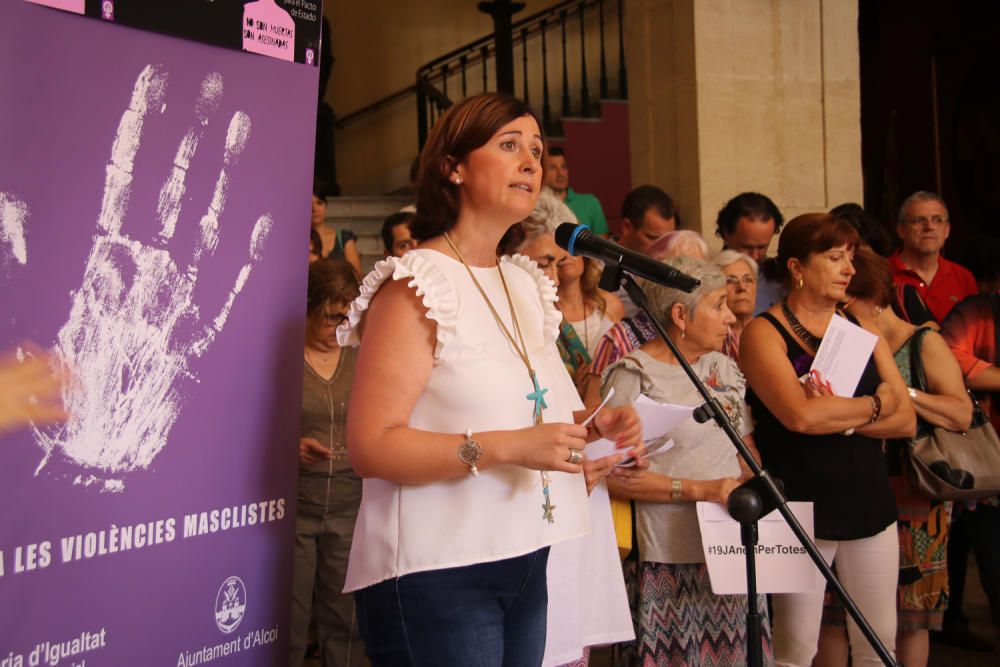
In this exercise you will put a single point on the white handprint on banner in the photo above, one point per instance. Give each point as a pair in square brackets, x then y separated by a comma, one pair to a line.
[13, 248]
[127, 340]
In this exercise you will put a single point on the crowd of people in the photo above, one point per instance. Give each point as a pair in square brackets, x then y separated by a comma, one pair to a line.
[448, 398]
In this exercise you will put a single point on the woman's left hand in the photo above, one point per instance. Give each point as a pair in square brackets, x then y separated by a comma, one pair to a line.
[638, 485]
[595, 471]
[815, 386]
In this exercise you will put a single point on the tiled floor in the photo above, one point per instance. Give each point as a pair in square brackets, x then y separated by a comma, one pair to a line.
[978, 612]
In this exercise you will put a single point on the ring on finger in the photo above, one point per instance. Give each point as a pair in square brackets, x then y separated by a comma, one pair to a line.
[575, 456]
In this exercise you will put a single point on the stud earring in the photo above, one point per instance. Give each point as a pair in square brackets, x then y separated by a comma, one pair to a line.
[457, 180]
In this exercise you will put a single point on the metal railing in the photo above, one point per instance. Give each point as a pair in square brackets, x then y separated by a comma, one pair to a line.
[467, 69]
[456, 68]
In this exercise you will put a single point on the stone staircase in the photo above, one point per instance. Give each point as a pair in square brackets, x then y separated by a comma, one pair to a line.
[364, 216]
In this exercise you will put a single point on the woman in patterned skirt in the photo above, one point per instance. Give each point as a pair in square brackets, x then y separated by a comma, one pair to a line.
[923, 523]
[679, 620]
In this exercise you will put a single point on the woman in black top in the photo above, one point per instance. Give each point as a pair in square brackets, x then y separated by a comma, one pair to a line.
[827, 449]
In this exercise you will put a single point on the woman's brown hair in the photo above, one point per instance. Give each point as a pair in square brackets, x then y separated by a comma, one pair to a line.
[872, 279]
[592, 270]
[809, 234]
[331, 281]
[462, 129]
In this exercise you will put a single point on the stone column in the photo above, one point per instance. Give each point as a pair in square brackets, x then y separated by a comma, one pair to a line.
[758, 95]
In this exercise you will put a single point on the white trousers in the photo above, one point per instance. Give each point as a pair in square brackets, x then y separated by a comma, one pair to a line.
[869, 570]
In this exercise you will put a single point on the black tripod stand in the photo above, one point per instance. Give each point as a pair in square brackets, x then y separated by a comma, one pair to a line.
[751, 500]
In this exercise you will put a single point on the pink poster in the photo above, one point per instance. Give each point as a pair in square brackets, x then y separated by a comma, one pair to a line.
[268, 30]
[75, 6]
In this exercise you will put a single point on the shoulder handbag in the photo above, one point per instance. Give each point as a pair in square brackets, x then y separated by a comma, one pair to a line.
[952, 465]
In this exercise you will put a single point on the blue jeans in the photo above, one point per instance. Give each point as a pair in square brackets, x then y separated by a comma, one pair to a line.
[483, 615]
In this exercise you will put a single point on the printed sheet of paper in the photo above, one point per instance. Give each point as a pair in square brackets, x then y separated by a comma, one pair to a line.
[843, 355]
[783, 566]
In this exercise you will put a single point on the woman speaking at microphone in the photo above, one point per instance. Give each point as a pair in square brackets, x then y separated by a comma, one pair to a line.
[462, 416]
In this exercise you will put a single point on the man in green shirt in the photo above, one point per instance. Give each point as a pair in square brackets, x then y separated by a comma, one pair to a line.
[586, 208]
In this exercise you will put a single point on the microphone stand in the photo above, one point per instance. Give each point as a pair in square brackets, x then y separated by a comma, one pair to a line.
[754, 498]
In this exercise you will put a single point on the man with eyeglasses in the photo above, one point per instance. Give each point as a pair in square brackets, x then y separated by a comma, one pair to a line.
[923, 227]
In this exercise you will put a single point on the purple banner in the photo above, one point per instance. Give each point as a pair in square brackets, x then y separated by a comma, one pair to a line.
[153, 200]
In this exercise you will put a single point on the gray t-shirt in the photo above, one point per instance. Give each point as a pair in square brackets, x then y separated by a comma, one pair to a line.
[668, 532]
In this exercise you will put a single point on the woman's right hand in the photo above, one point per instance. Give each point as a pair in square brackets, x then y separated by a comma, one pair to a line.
[547, 447]
[312, 451]
[816, 386]
[716, 490]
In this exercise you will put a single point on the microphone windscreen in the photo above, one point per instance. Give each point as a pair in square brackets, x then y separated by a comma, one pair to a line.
[566, 234]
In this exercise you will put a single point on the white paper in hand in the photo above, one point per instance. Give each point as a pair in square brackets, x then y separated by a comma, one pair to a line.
[652, 450]
[843, 355]
[611, 393]
[659, 419]
[598, 449]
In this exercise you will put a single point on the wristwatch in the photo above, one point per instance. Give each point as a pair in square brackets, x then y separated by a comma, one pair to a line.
[469, 453]
[912, 392]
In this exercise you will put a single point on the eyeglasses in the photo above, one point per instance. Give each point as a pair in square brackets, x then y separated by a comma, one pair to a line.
[334, 319]
[934, 220]
[746, 279]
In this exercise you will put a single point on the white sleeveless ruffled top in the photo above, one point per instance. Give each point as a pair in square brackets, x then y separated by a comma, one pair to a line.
[478, 382]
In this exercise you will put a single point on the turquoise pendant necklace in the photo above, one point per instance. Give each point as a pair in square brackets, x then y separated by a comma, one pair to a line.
[537, 396]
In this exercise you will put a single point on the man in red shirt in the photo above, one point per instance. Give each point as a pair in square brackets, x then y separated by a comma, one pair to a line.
[923, 227]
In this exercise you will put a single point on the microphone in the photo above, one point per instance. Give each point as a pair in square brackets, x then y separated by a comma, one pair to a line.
[579, 240]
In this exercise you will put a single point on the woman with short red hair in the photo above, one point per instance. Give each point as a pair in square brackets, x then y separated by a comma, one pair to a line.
[827, 449]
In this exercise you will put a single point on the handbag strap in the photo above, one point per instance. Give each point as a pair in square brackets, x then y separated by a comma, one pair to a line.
[995, 302]
[918, 377]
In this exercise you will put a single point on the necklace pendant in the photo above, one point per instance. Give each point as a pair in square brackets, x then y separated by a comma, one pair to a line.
[538, 396]
[548, 507]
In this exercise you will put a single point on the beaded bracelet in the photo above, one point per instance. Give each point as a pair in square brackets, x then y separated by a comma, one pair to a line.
[876, 408]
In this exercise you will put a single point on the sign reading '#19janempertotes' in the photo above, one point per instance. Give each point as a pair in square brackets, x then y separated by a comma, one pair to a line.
[153, 199]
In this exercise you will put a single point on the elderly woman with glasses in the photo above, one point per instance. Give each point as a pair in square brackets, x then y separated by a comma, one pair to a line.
[680, 620]
[329, 491]
[740, 271]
